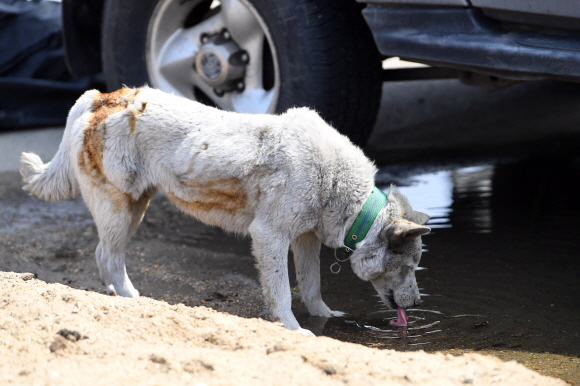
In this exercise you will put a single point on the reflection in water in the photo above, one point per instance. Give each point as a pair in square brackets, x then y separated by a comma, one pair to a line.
[437, 193]
[473, 187]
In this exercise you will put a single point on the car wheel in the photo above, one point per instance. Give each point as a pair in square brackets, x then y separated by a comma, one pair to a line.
[250, 56]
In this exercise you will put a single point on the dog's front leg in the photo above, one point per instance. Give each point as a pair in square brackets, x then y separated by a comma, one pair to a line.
[271, 253]
[306, 250]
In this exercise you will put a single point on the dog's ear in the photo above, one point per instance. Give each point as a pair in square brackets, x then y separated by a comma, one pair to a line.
[421, 218]
[401, 230]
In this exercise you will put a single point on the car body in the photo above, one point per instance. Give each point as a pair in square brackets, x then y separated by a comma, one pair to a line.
[269, 55]
[514, 39]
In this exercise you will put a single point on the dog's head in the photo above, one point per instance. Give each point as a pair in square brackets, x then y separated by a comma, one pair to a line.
[391, 251]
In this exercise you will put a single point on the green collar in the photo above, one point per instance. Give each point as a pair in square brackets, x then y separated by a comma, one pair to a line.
[364, 220]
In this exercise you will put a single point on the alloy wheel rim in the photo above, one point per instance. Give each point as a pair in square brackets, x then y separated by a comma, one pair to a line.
[231, 43]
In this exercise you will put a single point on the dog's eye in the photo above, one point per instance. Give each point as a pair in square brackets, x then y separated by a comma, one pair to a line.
[397, 252]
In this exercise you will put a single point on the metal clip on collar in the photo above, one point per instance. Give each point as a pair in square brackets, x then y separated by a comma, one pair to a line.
[336, 263]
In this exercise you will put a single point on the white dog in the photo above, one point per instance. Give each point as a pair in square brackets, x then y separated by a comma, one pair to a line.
[289, 181]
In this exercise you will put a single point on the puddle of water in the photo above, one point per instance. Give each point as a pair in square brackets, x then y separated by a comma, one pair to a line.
[498, 273]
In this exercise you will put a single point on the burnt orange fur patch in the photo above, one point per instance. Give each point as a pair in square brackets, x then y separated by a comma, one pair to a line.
[91, 157]
[132, 122]
[122, 201]
[225, 195]
[133, 117]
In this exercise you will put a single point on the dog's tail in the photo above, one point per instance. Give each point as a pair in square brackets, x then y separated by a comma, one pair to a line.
[55, 180]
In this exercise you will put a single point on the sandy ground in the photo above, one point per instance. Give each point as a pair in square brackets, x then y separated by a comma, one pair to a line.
[148, 342]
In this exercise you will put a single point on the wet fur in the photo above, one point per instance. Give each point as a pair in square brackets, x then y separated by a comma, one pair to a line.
[289, 181]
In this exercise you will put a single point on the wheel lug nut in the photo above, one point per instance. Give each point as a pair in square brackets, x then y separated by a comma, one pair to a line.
[245, 57]
[226, 35]
[204, 38]
[241, 86]
[218, 92]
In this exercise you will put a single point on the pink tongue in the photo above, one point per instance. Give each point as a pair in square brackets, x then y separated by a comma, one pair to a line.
[401, 318]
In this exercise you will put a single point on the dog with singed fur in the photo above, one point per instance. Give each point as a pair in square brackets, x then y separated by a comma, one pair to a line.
[289, 181]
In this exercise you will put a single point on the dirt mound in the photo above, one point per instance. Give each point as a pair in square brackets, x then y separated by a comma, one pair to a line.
[53, 334]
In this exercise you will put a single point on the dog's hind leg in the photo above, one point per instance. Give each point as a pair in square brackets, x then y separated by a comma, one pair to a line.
[117, 216]
[306, 250]
[139, 209]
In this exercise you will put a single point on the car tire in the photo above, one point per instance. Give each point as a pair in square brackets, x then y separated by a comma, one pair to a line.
[326, 56]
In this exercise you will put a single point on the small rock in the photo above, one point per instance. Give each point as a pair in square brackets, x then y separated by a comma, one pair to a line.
[71, 335]
[69, 298]
[24, 373]
[278, 346]
[195, 366]
[157, 359]
[58, 344]
[28, 276]
[328, 369]
[481, 324]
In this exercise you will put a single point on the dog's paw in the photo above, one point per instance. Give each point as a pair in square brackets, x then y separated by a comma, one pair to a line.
[111, 290]
[337, 314]
[130, 293]
[304, 332]
[322, 310]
